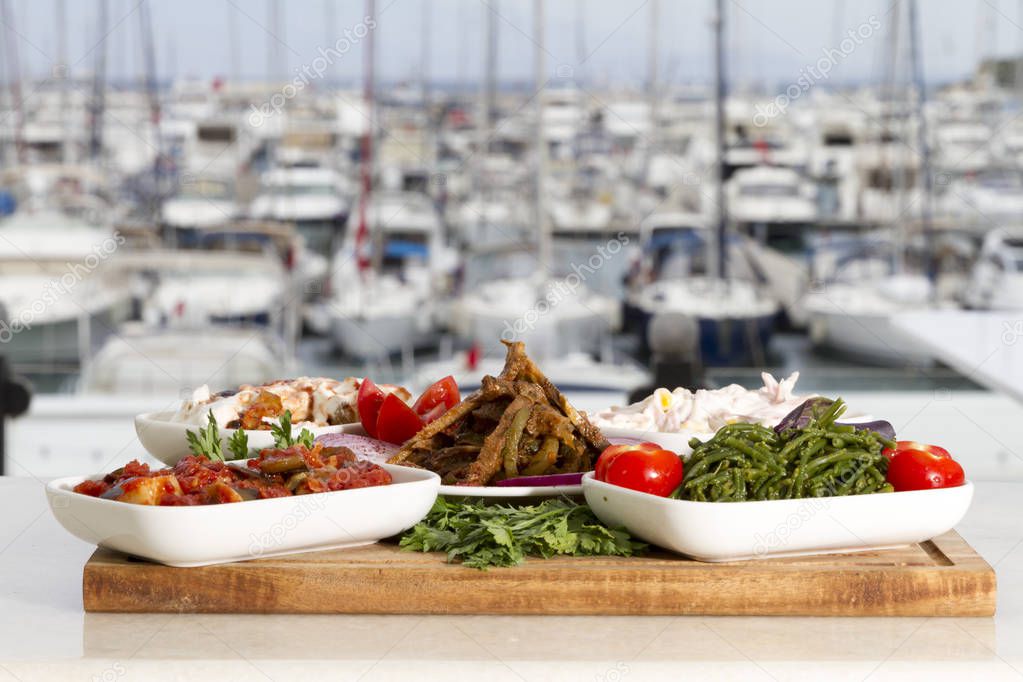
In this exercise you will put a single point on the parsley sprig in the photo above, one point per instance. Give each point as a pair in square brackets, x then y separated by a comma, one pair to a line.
[238, 444]
[481, 535]
[281, 433]
[206, 441]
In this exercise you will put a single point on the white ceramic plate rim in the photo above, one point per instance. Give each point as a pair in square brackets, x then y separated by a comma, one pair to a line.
[163, 417]
[510, 490]
[170, 448]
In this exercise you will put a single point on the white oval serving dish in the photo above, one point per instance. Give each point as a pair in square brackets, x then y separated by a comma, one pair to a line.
[165, 439]
[733, 531]
[239, 531]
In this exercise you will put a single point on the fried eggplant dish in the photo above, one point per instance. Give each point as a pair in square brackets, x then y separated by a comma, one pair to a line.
[516, 424]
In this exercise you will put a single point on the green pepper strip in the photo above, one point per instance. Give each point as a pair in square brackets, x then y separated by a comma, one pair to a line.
[511, 441]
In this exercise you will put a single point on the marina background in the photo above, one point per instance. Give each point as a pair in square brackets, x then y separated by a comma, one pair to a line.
[223, 193]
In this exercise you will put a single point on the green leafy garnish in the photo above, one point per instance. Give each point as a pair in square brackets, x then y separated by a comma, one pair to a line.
[481, 535]
[206, 443]
[281, 433]
[306, 438]
[238, 444]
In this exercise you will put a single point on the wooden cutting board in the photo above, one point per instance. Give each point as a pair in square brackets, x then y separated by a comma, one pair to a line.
[943, 577]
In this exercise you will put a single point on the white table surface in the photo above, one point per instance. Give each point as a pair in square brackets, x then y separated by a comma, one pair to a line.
[985, 346]
[45, 634]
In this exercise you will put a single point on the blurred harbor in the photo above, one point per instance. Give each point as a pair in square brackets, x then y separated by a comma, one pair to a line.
[159, 234]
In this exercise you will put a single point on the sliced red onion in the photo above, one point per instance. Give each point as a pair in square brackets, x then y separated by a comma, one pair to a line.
[364, 447]
[542, 481]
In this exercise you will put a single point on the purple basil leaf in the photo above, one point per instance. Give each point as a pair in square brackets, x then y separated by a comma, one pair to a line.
[801, 416]
[879, 426]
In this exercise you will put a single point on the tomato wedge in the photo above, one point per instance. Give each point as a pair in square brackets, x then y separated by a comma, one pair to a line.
[397, 422]
[441, 393]
[368, 402]
[646, 467]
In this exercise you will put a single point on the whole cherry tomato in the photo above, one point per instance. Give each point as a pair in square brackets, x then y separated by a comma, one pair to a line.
[610, 453]
[915, 445]
[646, 467]
[921, 470]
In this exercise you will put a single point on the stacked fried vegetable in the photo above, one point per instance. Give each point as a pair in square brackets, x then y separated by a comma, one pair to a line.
[813, 456]
[517, 424]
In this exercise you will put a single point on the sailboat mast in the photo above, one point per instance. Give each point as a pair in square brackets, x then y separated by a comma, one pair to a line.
[485, 104]
[152, 94]
[329, 30]
[925, 150]
[14, 79]
[720, 261]
[64, 74]
[99, 86]
[232, 41]
[652, 77]
[366, 153]
[426, 21]
[539, 211]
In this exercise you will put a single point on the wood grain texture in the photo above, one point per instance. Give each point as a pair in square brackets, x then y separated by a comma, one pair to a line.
[943, 577]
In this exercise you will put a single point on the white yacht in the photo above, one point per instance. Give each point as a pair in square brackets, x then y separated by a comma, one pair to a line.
[735, 319]
[854, 317]
[57, 287]
[768, 195]
[575, 372]
[142, 361]
[314, 199]
[580, 214]
[193, 288]
[554, 317]
[200, 203]
[996, 282]
[993, 194]
[390, 306]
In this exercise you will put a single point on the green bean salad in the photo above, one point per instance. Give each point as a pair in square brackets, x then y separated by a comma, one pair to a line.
[744, 462]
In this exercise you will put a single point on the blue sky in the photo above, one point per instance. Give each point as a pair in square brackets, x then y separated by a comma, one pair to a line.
[769, 40]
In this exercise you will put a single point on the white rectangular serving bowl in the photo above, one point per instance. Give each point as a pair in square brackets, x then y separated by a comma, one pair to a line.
[239, 531]
[165, 439]
[734, 531]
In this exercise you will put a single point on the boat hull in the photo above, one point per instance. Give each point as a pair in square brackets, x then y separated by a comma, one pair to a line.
[376, 337]
[724, 342]
[866, 337]
[58, 342]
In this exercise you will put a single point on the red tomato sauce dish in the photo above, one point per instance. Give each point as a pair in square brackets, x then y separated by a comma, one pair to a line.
[296, 470]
